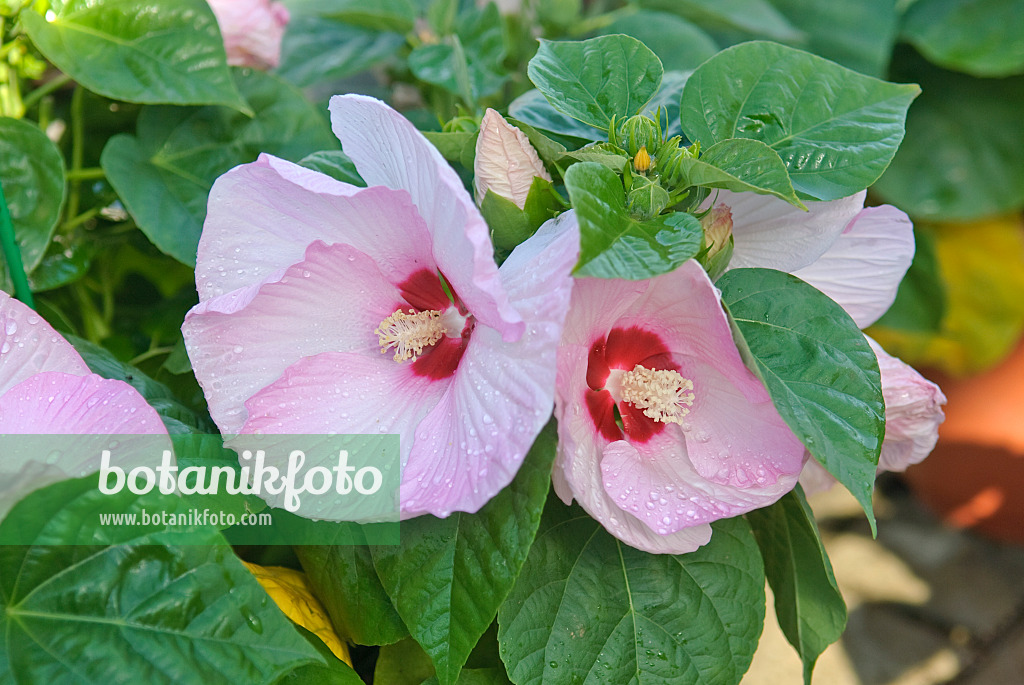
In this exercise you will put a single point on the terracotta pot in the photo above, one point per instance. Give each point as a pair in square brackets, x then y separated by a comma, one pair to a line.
[975, 476]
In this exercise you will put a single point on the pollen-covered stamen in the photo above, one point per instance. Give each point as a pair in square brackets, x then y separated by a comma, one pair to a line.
[410, 333]
[662, 394]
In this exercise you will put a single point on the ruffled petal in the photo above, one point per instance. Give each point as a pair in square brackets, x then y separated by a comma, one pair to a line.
[471, 445]
[388, 150]
[577, 472]
[263, 215]
[771, 233]
[913, 412]
[29, 345]
[863, 268]
[241, 342]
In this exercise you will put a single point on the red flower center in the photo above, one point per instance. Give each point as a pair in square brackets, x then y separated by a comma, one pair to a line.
[424, 292]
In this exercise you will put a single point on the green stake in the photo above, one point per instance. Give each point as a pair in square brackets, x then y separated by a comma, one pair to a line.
[13, 255]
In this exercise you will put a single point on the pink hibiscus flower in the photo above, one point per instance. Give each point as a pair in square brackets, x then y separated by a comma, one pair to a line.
[305, 282]
[47, 389]
[857, 256]
[662, 429]
[252, 31]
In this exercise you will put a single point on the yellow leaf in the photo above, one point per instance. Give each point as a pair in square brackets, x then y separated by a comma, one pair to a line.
[982, 264]
[291, 592]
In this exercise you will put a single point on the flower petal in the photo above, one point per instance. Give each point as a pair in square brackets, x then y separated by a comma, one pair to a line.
[263, 215]
[913, 412]
[863, 268]
[241, 342]
[388, 150]
[771, 233]
[29, 345]
[471, 445]
[505, 161]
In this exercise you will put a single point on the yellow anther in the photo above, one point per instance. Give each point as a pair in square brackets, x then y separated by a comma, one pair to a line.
[642, 160]
[663, 394]
[410, 333]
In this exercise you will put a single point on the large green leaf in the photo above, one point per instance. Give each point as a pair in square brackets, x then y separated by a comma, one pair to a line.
[818, 368]
[477, 676]
[403, 663]
[756, 17]
[152, 51]
[88, 603]
[316, 49]
[449, 576]
[469, 62]
[534, 109]
[980, 37]
[961, 157]
[32, 173]
[858, 35]
[164, 173]
[835, 129]
[808, 604]
[738, 164]
[598, 79]
[586, 603]
[383, 15]
[615, 245]
[679, 44]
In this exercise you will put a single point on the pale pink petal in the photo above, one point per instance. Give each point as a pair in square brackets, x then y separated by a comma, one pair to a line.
[913, 412]
[263, 215]
[577, 473]
[388, 150]
[863, 268]
[814, 478]
[471, 445]
[29, 345]
[64, 404]
[239, 343]
[252, 31]
[505, 161]
[771, 233]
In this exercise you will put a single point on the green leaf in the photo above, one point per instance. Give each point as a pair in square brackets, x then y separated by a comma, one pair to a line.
[75, 608]
[510, 225]
[478, 676]
[346, 584]
[151, 51]
[455, 146]
[382, 15]
[164, 172]
[808, 604]
[960, 160]
[679, 44]
[836, 130]
[533, 108]
[316, 49]
[598, 79]
[32, 173]
[615, 245]
[738, 164]
[335, 164]
[586, 603]
[468, 64]
[920, 303]
[858, 35]
[403, 663]
[980, 37]
[333, 672]
[449, 576]
[177, 417]
[667, 99]
[818, 368]
[757, 17]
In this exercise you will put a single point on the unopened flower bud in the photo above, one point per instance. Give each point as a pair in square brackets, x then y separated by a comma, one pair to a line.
[646, 199]
[717, 225]
[638, 132]
[252, 31]
[506, 162]
[642, 160]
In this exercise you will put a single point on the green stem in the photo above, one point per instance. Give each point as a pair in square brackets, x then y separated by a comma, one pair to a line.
[45, 89]
[149, 354]
[88, 174]
[13, 255]
[77, 147]
[81, 218]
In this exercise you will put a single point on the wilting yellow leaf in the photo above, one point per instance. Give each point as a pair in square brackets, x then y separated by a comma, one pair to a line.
[982, 263]
[291, 592]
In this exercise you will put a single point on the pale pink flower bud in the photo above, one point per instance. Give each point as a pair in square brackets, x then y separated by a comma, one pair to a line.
[717, 225]
[252, 31]
[506, 162]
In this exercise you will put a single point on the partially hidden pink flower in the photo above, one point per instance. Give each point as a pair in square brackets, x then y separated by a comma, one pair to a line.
[662, 429]
[252, 31]
[857, 256]
[505, 162]
[47, 389]
[323, 309]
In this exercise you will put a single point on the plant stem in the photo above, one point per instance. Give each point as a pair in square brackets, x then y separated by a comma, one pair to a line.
[45, 89]
[77, 148]
[13, 255]
[87, 174]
